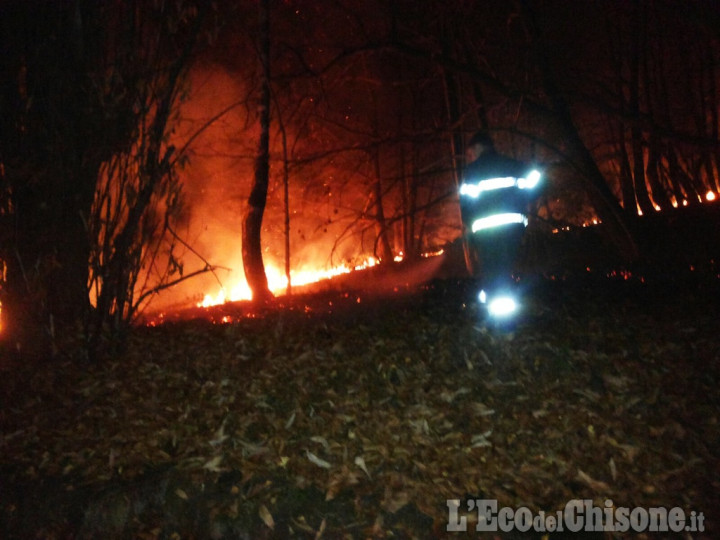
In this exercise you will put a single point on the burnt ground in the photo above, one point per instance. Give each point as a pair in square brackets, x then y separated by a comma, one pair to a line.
[357, 415]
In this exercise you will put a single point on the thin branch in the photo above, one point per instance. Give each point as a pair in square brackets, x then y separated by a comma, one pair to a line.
[169, 284]
[194, 252]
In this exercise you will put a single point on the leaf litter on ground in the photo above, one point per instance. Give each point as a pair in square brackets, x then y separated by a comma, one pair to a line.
[368, 417]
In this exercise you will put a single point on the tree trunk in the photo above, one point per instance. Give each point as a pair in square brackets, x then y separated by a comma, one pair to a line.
[286, 204]
[252, 221]
[618, 129]
[452, 104]
[382, 240]
[601, 195]
[414, 242]
[50, 162]
[626, 179]
[711, 157]
[636, 136]
[654, 166]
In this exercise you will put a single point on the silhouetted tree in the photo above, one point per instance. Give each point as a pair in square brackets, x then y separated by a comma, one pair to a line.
[252, 221]
[89, 91]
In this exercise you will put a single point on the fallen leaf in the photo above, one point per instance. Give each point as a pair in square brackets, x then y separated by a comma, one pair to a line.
[316, 460]
[321, 529]
[252, 449]
[321, 440]
[617, 383]
[448, 396]
[596, 485]
[213, 464]
[360, 462]
[480, 441]
[266, 516]
[395, 501]
[219, 436]
[481, 409]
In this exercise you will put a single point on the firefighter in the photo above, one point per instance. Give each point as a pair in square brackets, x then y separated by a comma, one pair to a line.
[494, 197]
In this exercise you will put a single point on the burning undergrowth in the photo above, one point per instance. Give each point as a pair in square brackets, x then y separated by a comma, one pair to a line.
[322, 292]
[361, 420]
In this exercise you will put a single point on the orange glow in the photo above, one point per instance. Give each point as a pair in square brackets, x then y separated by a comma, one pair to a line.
[710, 196]
[277, 282]
[432, 253]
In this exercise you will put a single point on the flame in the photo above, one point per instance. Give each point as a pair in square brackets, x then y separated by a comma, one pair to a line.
[277, 281]
[710, 196]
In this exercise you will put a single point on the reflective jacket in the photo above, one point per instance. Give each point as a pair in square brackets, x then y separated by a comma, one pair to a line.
[495, 192]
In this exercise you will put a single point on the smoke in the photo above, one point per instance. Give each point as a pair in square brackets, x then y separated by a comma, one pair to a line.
[213, 126]
[218, 124]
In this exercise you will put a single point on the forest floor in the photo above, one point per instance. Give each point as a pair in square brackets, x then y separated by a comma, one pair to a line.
[345, 415]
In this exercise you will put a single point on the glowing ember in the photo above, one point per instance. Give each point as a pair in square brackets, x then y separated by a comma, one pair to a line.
[710, 196]
[277, 282]
[432, 253]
